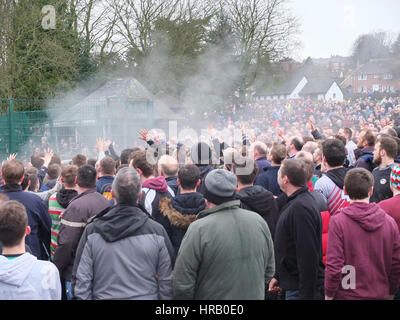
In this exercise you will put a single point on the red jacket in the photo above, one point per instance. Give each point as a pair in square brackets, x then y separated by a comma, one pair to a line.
[325, 222]
[392, 208]
[365, 239]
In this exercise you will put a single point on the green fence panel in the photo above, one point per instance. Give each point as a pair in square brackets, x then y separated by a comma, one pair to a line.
[28, 125]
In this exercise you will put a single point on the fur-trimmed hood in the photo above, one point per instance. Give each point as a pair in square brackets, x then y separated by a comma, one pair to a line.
[182, 210]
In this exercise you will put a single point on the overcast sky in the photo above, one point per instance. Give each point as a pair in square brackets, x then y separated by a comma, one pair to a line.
[331, 27]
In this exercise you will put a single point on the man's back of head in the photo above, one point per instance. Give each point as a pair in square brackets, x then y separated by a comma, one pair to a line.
[79, 160]
[53, 171]
[246, 171]
[358, 184]
[293, 172]
[127, 186]
[37, 161]
[13, 223]
[297, 142]
[87, 177]
[55, 159]
[68, 175]
[138, 160]
[308, 159]
[168, 166]
[12, 172]
[107, 166]
[189, 177]
[124, 159]
[278, 153]
[334, 152]
[389, 131]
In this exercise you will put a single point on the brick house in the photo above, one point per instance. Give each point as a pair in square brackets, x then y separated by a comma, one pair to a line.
[377, 75]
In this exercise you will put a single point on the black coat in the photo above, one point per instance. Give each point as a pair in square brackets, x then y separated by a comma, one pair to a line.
[204, 171]
[262, 201]
[269, 180]
[298, 246]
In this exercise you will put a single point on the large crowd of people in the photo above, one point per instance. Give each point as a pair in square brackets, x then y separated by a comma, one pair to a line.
[304, 205]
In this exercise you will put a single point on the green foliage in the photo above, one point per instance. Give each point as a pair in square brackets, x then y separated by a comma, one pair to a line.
[42, 62]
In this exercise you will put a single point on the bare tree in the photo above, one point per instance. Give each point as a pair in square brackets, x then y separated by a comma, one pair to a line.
[95, 23]
[264, 31]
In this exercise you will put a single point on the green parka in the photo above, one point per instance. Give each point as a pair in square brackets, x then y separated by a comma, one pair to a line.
[226, 254]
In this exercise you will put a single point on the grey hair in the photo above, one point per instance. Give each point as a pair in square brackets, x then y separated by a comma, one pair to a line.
[127, 186]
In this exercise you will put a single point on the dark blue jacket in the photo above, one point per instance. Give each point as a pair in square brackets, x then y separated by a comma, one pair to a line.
[262, 163]
[172, 182]
[104, 185]
[365, 159]
[269, 180]
[38, 219]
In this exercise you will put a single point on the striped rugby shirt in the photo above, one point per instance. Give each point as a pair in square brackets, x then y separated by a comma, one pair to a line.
[334, 196]
[55, 209]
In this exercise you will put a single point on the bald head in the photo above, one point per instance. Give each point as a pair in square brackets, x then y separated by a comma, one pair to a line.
[168, 166]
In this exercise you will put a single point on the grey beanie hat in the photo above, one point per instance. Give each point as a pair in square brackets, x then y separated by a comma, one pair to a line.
[220, 186]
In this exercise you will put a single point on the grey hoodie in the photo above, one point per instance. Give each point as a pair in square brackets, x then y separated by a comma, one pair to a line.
[27, 278]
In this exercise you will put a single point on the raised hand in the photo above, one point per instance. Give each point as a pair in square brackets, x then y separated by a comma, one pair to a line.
[311, 124]
[100, 144]
[48, 154]
[144, 134]
[11, 156]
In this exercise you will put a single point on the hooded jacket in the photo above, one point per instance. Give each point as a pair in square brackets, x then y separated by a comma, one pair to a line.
[153, 190]
[367, 239]
[27, 278]
[226, 254]
[261, 201]
[57, 204]
[181, 211]
[392, 208]
[75, 218]
[38, 219]
[123, 254]
[365, 159]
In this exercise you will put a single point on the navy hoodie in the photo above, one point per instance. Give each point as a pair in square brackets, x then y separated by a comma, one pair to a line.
[38, 219]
